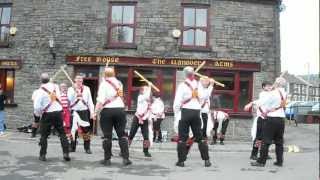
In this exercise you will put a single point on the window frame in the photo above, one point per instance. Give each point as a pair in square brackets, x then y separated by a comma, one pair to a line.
[4, 85]
[194, 47]
[5, 44]
[110, 25]
[235, 93]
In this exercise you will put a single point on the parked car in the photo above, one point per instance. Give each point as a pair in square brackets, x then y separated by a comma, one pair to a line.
[292, 109]
[316, 107]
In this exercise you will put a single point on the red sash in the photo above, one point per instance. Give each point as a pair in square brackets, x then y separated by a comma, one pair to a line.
[117, 89]
[78, 100]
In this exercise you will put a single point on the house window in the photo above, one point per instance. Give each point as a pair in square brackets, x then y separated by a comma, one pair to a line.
[121, 26]
[5, 17]
[195, 27]
[7, 84]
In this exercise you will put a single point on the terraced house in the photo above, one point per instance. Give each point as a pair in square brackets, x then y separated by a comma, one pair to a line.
[238, 39]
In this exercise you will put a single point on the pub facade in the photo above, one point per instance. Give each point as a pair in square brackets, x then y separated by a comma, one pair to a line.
[238, 39]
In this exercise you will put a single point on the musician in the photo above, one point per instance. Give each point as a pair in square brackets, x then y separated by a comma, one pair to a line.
[66, 110]
[48, 106]
[80, 100]
[187, 101]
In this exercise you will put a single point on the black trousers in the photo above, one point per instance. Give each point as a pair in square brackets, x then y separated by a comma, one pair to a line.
[54, 119]
[114, 118]
[259, 135]
[85, 131]
[204, 122]
[35, 125]
[272, 131]
[134, 128]
[157, 134]
[190, 118]
[225, 124]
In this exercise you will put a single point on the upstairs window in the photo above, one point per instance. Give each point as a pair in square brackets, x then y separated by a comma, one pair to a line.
[195, 27]
[5, 18]
[122, 25]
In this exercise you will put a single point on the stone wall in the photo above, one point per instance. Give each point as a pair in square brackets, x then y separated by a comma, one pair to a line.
[239, 30]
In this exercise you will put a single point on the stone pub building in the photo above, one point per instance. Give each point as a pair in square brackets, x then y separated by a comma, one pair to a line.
[238, 39]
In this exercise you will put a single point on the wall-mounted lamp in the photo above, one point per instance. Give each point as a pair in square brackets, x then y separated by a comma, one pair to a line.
[51, 47]
[13, 30]
[176, 33]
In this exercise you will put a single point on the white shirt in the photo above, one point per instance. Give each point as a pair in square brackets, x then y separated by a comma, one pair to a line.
[262, 95]
[107, 91]
[86, 96]
[204, 95]
[35, 94]
[143, 104]
[273, 100]
[42, 99]
[219, 116]
[184, 93]
[157, 108]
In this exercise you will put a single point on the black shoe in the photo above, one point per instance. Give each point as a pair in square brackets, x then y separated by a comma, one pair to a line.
[221, 143]
[66, 157]
[42, 158]
[147, 154]
[207, 163]
[213, 142]
[257, 164]
[253, 157]
[105, 162]
[126, 162]
[269, 157]
[88, 151]
[277, 164]
[180, 164]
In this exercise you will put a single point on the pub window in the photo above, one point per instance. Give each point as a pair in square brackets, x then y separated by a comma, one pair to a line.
[121, 29]
[223, 97]
[5, 17]
[7, 84]
[195, 27]
[162, 78]
[236, 93]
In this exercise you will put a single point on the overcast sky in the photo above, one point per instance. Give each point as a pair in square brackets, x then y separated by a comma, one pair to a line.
[300, 36]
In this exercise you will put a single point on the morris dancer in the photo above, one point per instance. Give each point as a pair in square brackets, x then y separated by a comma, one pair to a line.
[81, 101]
[112, 115]
[273, 129]
[221, 121]
[157, 115]
[48, 106]
[259, 121]
[142, 117]
[187, 101]
[205, 91]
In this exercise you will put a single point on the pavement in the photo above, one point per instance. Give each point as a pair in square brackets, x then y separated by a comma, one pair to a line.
[19, 160]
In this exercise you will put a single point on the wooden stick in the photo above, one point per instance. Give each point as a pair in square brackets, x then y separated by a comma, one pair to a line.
[56, 74]
[144, 79]
[216, 82]
[65, 72]
[200, 66]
